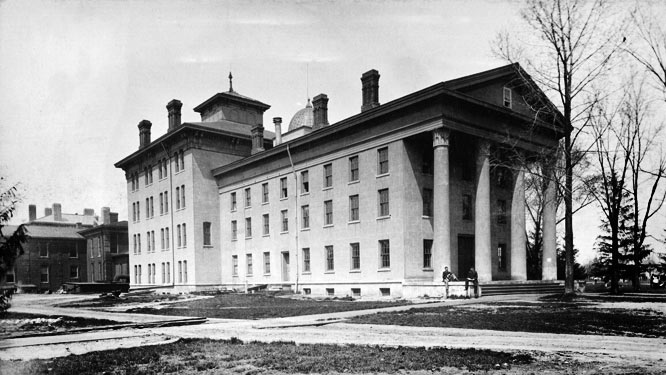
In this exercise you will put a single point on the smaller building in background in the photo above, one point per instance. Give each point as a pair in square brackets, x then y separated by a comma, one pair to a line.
[55, 251]
[107, 254]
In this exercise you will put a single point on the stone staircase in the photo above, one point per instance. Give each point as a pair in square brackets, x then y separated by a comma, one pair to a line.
[504, 288]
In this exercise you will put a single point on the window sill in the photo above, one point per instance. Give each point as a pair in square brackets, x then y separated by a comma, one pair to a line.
[427, 217]
[327, 188]
[285, 232]
[427, 270]
[284, 198]
[234, 239]
[267, 274]
[383, 175]
[208, 246]
[248, 238]
[384, 270]
[233, 210]
[306, 273]
[305, 193]
[264, 203]
[329, 272]
[266, 235]
[328, 225]
[384, 217]
[305, 229]
[247, 207]
[353, 221]
[353, 182]
[354, 271]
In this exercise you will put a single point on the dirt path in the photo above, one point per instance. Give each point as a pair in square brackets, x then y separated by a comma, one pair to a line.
[580, 347]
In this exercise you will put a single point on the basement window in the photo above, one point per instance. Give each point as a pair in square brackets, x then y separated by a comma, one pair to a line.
[356, 292]
[385, 292]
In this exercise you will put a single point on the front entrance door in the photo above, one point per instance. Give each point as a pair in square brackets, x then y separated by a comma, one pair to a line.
[465, 254]
[285, 266]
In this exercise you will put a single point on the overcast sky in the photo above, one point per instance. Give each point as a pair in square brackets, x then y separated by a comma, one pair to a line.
[76, 77]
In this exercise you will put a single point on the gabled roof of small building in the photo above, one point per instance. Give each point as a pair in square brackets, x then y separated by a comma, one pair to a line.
[117, 226]
[36, 230]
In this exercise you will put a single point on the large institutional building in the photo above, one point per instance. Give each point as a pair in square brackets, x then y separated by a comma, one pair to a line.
[375, 204]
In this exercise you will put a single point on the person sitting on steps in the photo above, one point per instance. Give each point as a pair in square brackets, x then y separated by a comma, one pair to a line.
[446, 277]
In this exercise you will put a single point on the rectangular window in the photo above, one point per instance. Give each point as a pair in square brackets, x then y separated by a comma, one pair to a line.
[168, 272]
[182, 167]
[113, 243]
[145, 176]
[44, 274]
[184, 235]
[10, 277]
[73, 252]
[180, 271]
[330, 260]
[427, 162]
[501, 257]
[166, 202]
[167, 239]
[353, 208]
[138, 241]
[43, 250]
[234, 230]
[233, 201]
[248, 197]
[161, 203]
[152, 210]
[264, 192]
[384, 254]
[179, 236]
[355, 256]
[267, 263]
[427, 202]
[162, 239]
[353, 169]
[501, 211]
[152, 240]
[73, 272]
[138, 211]
[266, 225]
[184, 271]
[150, 274]
[234, 265]
[176, 161]
[283, 188]
[356, 292]
[177, 198]
[384, 202]
[467, 207]
[159, 174]
[330, 292]
[182, 195]
[305, 217]
[383, 161]
[507, 97]
[147, 242]
[328, 175]
[285, 220]
[328, 213]
[427, 253]
[92, 272]
[305, 182]
[248, 227]
[306, 259]
[248, 262]
[163, 273]
[206, 233]
[147, 208]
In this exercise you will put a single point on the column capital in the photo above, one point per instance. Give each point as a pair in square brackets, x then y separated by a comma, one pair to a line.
[440, 137]
[483, 147]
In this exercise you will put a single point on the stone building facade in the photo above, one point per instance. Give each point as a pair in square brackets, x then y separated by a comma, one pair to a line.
[375, 204]
[106, 248]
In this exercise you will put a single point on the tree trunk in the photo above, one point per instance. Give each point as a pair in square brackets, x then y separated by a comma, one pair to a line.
[615, 287]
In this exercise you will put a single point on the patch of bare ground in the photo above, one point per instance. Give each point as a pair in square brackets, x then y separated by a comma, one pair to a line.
[18, 324]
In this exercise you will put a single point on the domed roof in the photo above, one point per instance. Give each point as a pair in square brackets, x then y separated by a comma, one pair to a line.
[304, 117]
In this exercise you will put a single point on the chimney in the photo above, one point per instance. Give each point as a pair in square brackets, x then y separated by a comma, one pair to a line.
[48, 211]
[57, 212]
[277, 122]
[114, 217]
[106, 215]
[257, 139]
[144, 133]
[320, 111]
[79, 225]
[370, 87]
[88, 212]
[32, 212]
[174, 107]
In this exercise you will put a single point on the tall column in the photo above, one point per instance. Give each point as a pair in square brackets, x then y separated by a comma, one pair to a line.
[518, 252]
[442, 218]
[482, 247]
[549, 255]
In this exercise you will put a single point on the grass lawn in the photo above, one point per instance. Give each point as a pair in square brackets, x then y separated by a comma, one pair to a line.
[203, 356]
[18, 324]
[549, 316]
[252, 306]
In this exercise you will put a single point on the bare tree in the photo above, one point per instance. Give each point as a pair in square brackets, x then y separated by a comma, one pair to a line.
[649, 49]
[571, 44]
[646, 175]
